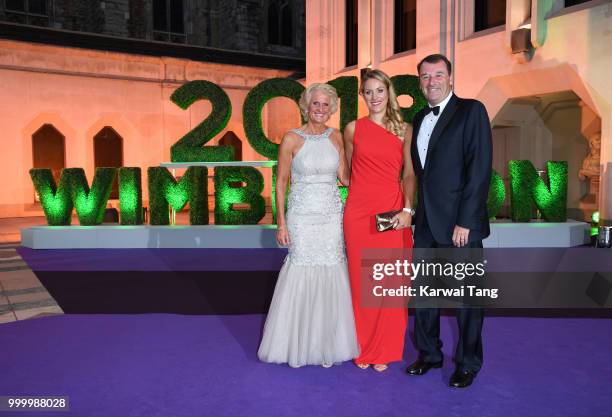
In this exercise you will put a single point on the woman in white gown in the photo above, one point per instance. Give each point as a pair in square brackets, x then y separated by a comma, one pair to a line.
[310, 321]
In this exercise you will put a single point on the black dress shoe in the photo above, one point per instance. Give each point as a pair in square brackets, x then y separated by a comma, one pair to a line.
[420, 367]
[462, 379]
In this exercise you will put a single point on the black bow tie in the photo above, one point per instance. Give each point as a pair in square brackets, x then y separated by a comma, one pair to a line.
[434, 110]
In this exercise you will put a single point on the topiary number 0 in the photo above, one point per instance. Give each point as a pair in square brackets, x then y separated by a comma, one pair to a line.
[253, 105]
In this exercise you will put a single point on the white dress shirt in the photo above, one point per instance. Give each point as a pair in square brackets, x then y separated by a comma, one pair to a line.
[427, 127]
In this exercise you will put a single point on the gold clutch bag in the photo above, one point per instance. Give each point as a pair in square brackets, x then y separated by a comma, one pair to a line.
[383, 220]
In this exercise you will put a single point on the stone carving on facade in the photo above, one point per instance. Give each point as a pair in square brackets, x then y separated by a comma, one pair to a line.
[591, 170]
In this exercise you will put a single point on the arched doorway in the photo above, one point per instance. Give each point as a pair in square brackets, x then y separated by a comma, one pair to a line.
[551, 127]
[230, 139]
[549, 114]
[108, 152]
[49, 150]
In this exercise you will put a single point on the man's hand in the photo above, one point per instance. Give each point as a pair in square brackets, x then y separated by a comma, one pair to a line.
[460, 236]
[401, 220]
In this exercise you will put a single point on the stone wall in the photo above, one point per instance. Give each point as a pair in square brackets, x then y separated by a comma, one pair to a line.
[235, 25]
[116, 16]
[80, 92]
[79, 15]
[139, 24]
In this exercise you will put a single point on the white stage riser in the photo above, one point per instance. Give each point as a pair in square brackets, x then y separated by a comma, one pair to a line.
[503, 235]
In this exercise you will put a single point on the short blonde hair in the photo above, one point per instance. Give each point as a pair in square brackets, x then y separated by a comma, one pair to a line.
[324, 88]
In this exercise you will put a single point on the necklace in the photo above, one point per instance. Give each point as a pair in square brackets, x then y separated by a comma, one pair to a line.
[312, 130]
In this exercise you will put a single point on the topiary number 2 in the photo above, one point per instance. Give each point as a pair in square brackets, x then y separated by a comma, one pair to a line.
[190, 148]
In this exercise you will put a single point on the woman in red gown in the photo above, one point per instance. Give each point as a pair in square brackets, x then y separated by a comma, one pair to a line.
[382, 179]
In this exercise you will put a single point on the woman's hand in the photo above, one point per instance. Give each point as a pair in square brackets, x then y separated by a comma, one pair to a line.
[401, 220]
[282, 235]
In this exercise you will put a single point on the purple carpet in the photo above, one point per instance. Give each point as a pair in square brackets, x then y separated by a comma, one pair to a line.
[171, 365]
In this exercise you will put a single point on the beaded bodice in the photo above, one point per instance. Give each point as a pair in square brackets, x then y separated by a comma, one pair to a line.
[314, 205]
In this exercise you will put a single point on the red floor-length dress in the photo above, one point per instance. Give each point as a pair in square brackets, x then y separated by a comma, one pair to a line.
[375, 187]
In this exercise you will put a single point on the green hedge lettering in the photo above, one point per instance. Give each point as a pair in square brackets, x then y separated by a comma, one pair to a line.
[164, 190]
[226, 195]
[190, 147]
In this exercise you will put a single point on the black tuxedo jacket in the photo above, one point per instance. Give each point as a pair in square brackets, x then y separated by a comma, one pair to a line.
[453, 186]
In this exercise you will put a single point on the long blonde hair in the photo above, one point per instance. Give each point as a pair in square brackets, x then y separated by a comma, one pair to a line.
[393, 117]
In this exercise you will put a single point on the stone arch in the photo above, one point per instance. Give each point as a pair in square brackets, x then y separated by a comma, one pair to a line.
[108, 152]
[27, 150]
[131, 140]
[49, 150]
[500, 92]
[231, 139]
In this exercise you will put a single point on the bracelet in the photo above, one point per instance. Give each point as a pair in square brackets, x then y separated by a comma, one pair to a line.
[409, 210]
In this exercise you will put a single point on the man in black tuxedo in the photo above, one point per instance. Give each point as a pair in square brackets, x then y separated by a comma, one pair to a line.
[452, 156]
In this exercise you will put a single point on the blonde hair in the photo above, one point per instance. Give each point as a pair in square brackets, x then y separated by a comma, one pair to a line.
[307, 96]
[393, 117]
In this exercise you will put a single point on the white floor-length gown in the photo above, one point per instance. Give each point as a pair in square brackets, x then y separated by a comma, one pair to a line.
[310, 321]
